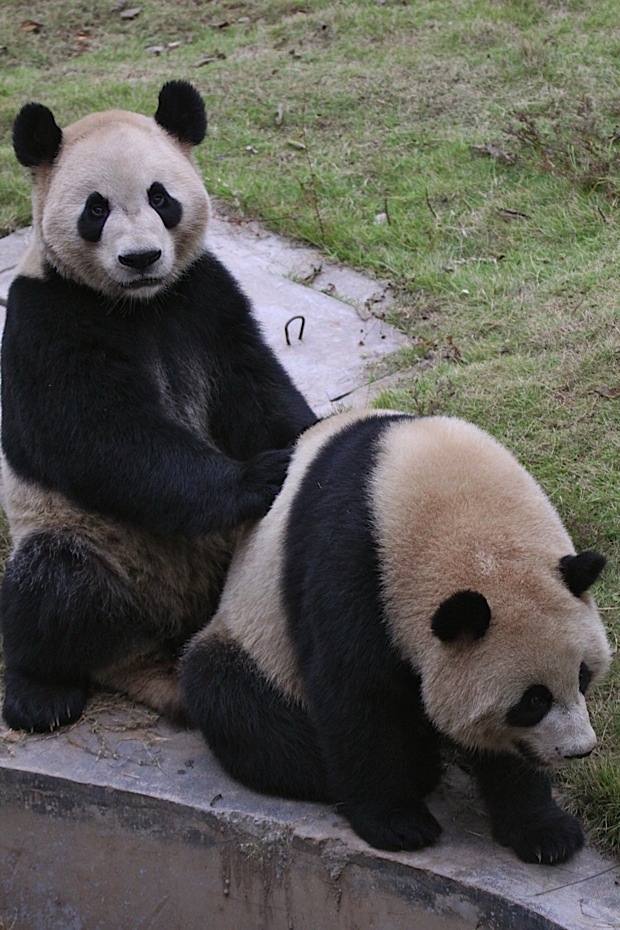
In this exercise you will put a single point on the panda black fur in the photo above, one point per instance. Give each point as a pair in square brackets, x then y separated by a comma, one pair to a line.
[411, 584]
[144, 419]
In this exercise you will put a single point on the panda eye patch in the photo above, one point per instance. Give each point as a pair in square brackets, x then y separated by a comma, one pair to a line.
[585, 677]
[93, 216]
[534, 704]
[164, 204]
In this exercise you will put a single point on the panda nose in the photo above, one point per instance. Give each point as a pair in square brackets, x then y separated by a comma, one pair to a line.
[578, 755]
[140, 261]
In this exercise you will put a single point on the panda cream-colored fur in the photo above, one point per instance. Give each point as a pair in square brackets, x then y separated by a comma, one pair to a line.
[411, 583]
[98, 156]
[144, 419]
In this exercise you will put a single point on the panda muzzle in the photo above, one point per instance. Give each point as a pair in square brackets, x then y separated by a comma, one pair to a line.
[140, 261]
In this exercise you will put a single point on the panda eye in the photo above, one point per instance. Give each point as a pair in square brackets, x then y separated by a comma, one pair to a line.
[157, 200]
[168, 208]
[97, 210]
[92, 219]
[534, 704]
[536, 701]
[585, 677]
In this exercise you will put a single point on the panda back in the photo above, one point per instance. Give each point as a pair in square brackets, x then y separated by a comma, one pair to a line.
[284, 554]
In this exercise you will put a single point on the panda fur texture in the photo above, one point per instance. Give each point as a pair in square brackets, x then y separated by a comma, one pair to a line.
[144, 418]
[411, 585]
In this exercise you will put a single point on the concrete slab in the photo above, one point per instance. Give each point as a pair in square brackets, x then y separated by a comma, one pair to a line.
[124, 822]
[343, 332]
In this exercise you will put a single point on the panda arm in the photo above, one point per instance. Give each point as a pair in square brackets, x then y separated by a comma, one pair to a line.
[381, 759]
[153, 474]
[257, 406]
[88, 425]
[380, 754]
[523, 813]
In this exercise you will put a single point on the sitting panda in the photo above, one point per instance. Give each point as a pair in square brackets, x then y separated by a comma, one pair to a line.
[144, 418]
[411, 585]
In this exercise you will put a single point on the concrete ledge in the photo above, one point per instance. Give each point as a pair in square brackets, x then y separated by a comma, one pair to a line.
[122, 822]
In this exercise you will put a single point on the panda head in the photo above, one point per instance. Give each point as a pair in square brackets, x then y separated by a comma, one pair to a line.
[511, 668]
[485, 596]
[118, 203]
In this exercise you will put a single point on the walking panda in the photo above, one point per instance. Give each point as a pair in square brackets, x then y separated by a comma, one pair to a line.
[411, 584]
[144, 419]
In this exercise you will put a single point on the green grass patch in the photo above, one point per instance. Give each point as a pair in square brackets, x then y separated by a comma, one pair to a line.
[487, 134]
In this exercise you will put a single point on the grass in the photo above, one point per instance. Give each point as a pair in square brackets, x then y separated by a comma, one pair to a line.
[486, 132]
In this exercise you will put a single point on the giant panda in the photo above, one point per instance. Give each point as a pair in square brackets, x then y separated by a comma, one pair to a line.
[410, 588]
[144, 418]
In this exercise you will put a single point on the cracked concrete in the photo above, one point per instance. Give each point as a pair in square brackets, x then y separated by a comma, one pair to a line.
[122, 821]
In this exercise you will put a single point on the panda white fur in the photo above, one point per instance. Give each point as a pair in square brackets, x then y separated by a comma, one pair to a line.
[144, 419]
[411, 583]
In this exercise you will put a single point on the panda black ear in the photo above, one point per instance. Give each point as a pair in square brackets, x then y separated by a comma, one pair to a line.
[181, 112]
[466, 613]
[36, 137]
[580, 571]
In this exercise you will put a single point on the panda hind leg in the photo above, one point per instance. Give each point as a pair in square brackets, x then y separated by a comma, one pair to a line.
[63, 615]
[262, 738]
[524, 815]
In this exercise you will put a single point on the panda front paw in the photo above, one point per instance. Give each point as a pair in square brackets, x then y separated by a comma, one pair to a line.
[39, 708]
[263, 477]
[387, 826]
[552, 839]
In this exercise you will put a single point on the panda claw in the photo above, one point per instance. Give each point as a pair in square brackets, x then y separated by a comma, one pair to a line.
[36, 708]
[552, 840]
